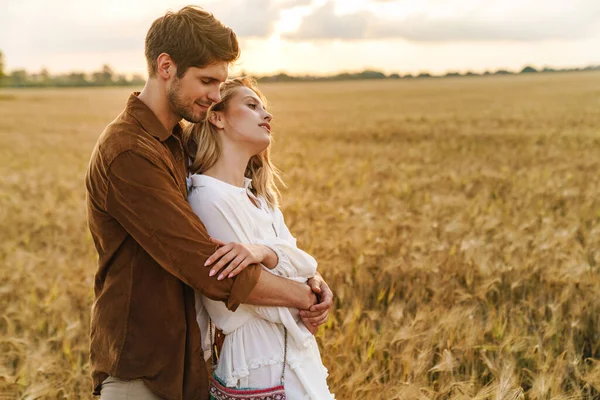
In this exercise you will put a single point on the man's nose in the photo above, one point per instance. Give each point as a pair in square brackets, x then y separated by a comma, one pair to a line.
[215, 95]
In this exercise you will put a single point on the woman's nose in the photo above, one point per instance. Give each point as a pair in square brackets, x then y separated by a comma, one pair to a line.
[268, 116]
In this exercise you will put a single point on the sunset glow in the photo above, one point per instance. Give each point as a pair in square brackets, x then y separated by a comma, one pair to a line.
[317, 37]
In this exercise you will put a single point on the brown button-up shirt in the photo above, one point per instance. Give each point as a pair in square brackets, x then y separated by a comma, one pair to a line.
[152, 249]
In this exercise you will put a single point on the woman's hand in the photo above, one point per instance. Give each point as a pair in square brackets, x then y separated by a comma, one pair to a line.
[319, 313]
[234, 257]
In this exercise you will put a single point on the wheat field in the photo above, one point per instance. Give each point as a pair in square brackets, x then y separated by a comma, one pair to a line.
[457, 221]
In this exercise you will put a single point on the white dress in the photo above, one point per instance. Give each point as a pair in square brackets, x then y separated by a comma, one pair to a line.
[253, 350]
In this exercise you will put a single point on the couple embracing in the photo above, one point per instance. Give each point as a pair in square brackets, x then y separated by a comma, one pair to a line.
[191, 242]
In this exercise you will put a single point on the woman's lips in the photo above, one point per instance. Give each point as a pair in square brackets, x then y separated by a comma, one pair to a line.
[267, 126]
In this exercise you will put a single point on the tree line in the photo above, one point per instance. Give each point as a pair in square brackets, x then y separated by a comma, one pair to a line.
[106, 76]
[369, 74]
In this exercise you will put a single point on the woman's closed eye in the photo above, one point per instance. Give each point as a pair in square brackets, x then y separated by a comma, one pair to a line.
[252, 106]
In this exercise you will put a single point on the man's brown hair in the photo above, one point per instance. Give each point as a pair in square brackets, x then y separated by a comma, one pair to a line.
[192, 37]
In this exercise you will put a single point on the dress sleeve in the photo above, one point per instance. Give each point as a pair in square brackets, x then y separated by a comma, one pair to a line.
[292, 261]
[225, 221]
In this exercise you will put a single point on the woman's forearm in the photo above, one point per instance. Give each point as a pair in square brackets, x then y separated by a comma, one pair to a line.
[270, 258]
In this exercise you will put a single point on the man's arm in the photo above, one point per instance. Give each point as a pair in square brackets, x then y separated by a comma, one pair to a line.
[223, 222]
[272, 290]
[144, 198]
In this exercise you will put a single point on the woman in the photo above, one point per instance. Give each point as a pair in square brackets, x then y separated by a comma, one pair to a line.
[234, 194]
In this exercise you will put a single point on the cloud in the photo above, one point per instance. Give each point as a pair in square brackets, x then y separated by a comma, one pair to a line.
[69, 29]
[323, 23]
[285, 4]
[524, 21]
[72, 26]
[254, 18]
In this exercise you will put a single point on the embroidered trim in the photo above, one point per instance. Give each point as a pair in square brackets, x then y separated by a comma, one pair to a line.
[218, 391]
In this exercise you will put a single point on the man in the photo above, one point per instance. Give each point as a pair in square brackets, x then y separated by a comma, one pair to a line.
[145, 341]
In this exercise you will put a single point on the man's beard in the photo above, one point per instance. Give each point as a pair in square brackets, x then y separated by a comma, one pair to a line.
[179, 105]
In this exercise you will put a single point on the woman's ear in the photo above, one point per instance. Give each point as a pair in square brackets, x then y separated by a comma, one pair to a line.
[216, 118]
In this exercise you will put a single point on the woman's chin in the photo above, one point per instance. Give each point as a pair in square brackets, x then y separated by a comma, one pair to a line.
[262, 147]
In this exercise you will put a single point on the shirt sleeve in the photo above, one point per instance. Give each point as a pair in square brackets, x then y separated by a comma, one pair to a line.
[144, 198]
[292, 261]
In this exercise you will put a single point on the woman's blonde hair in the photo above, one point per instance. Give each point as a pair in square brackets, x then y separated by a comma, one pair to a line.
[205, 144]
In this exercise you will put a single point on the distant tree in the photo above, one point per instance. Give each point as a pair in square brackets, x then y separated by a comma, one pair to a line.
[471, 73]
[138, 80]
[548, 69]
[424, 75]
[342, 77]
[452, 73]
[394, 76]
[103, 77]
[121, 80]
[502, 72]
[19, 77]
[44, 77]
[1, 65]
[528, 69]
[368, 74]
[281, 77]
[76, 79]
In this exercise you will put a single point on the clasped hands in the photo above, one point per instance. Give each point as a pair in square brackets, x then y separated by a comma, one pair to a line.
[234, 257]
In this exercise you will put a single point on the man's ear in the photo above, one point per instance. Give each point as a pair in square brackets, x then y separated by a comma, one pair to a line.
[217, 119]
[166, 67]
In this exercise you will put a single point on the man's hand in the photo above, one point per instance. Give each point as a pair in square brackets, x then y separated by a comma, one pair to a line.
[311, 328]
[234, 257]
[318, 313]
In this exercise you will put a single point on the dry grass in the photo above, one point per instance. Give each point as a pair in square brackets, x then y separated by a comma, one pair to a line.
[457, 220]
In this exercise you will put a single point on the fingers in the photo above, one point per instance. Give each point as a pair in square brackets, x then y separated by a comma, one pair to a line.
[315, 318]
[226, 259]
[315, 284]
[322, 320]
[218, 254]
[311, 328]
[232, 266]
[325, 299]
[319, 320]
[312, 314]
[239, 268]
[232, 258]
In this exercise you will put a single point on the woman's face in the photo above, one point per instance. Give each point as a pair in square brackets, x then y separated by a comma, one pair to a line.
[246, 122]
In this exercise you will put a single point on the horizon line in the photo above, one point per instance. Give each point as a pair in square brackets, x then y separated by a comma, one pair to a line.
[282, 72]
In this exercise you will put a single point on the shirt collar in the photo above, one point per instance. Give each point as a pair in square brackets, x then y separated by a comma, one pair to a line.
[199, 180]
[148, 120]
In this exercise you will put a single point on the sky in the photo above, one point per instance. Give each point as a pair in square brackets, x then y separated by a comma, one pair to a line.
[317, 37]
